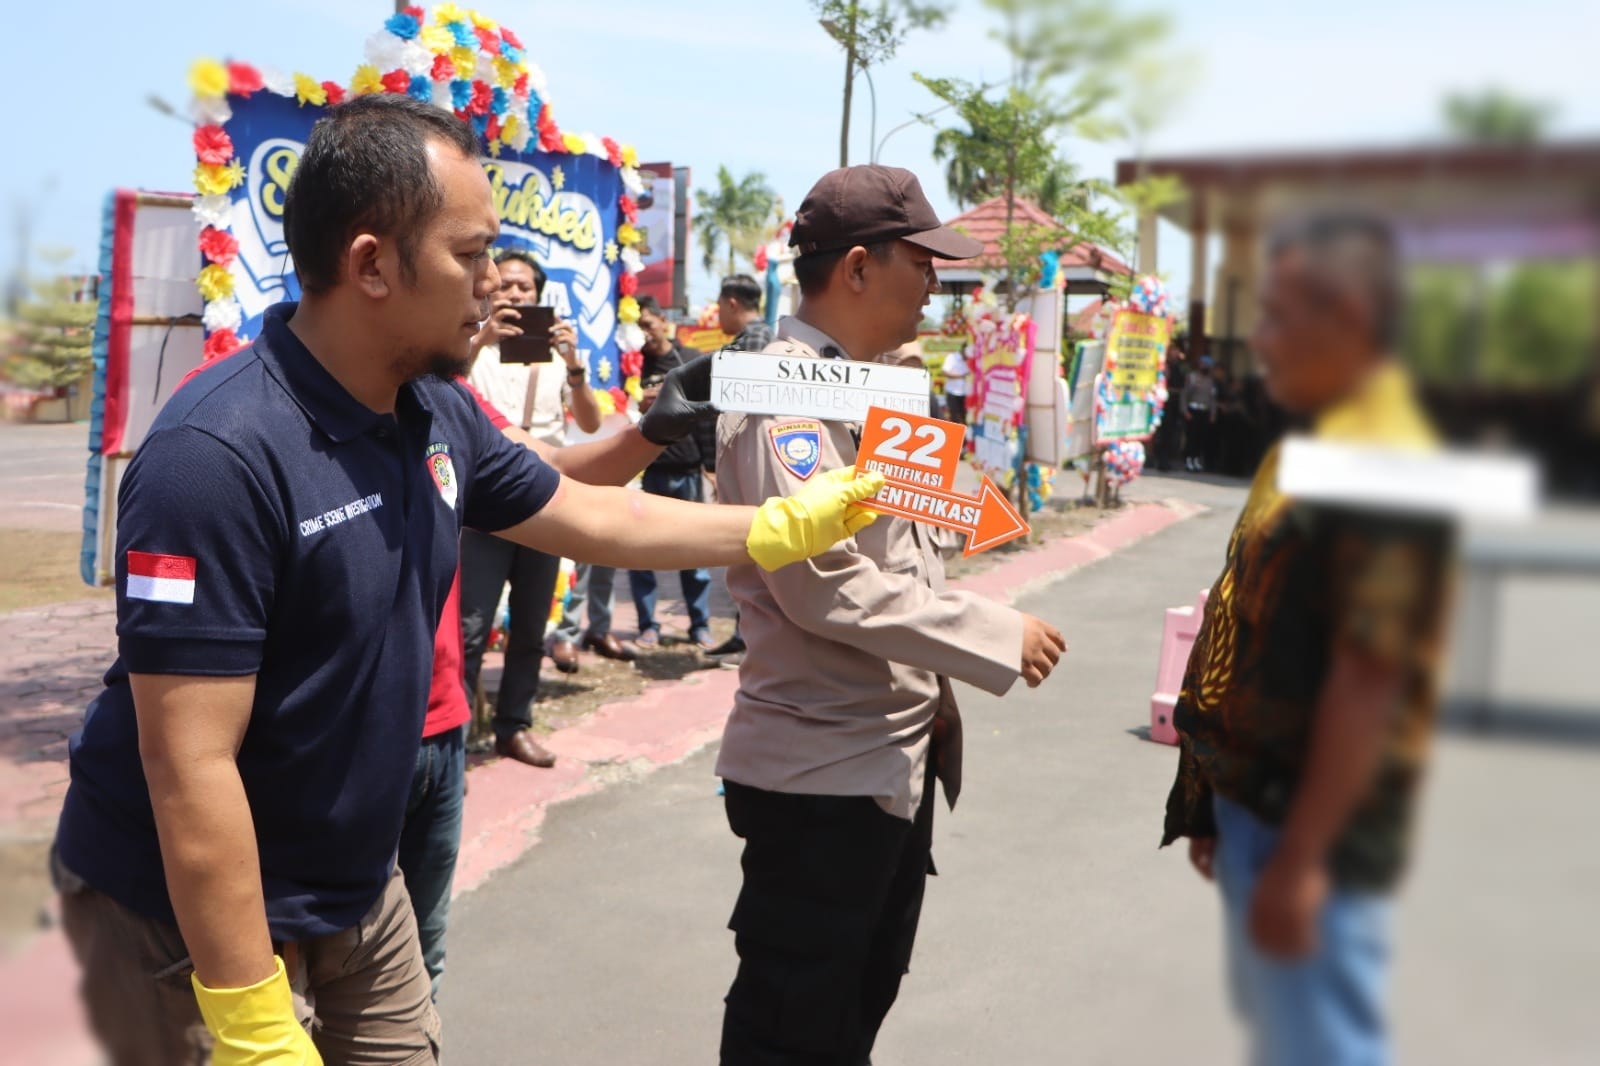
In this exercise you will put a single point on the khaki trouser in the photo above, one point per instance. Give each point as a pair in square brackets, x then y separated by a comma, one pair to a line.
[363, 993]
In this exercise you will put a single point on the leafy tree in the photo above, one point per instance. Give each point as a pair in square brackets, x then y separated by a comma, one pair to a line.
[870, 34]
[1541, 326]
[1494, 116]
[1069, 62]
[52, 334]
[736, 215]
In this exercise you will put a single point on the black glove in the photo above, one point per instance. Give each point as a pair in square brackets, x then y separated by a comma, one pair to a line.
[684, 402]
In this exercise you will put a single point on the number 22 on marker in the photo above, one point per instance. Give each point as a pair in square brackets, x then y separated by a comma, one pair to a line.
[913, 440]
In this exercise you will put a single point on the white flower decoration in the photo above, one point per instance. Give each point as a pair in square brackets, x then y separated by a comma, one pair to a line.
[630, 338]
[415, 59]
[631, 181]
[632, 260]
[214, 210]
[276, 81]
[385, 51]
[223, 314]
[214, 111]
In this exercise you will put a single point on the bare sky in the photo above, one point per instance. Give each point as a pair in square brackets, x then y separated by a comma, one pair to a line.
[755, 85]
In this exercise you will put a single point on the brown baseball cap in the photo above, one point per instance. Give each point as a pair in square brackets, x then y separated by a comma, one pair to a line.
[868, 204]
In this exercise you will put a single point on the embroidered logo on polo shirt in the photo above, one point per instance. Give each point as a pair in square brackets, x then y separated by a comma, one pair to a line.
[443, 471]
[799, 446]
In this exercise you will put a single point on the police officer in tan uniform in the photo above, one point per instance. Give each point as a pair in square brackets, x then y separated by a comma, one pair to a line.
[844, 699]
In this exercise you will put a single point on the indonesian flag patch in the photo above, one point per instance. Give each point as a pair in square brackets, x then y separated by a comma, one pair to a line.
[162, 578]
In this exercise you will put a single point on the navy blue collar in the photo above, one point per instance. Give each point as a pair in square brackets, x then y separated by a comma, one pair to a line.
[331, 408]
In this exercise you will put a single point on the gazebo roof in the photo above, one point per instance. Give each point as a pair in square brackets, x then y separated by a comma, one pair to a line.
[987, 223]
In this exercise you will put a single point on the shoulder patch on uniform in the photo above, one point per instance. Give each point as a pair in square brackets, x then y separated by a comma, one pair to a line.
[798, 446]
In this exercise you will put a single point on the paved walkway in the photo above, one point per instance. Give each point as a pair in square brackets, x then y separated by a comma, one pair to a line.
[52, 660]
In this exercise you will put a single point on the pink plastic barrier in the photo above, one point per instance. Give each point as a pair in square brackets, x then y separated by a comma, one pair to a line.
[1177, 639]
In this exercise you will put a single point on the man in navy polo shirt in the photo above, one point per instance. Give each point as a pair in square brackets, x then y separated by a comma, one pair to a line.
[286, 540]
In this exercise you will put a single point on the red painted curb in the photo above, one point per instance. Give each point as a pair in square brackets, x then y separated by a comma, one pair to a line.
[672, 720]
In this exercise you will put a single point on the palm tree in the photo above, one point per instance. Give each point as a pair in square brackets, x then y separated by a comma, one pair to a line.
[737, 215]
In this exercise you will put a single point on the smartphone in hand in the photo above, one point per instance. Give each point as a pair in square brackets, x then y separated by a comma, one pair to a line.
[533, 346]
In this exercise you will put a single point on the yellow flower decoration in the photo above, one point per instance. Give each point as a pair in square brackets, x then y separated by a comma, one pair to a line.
[208, 79]
[628, 235]
[505, 72]
[630, 156]
[494, 149]
[366, 81]
[509, 130]
[602, 370]
[447, 13]
[611, 251]
[309, 90]
[483, 22]
[465, 60]
[628, 309]
[214, 282]
[573, 143]
[604, 401]
[436, 39]
[214, 179]
[634, 389]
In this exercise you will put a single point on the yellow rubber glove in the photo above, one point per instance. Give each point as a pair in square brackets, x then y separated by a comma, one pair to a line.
[255, 1026]
[788, 529]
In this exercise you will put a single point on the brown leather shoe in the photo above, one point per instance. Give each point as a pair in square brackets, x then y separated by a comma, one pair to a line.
[609, 647]
[564, 654]
[521, 747]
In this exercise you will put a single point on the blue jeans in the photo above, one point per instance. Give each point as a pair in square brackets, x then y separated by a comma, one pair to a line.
[696, 584]
[1326, 1010]
[431, 837]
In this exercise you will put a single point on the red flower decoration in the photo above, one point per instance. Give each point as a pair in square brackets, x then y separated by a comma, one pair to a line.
[488, 40]
[632, 363]
[509, 37]
[620, 398]
[243, 79]
[520, 86]
[415, 11]
[629, 208]
[482, 97]
[613, 151]
[628, 284]
[335, 92]
[443, 69]
[212, 145]
[396, 81]
[222, 343]
[491, 132]
[218, 246]
[549, 135]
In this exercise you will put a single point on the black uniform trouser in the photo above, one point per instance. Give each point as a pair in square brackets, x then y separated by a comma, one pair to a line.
[487, 563]
[824, 924]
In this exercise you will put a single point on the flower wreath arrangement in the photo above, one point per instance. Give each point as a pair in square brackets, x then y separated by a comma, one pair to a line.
[1124, 460]
[457, 60]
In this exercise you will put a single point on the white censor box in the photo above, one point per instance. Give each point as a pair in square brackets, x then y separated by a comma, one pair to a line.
[835, 390]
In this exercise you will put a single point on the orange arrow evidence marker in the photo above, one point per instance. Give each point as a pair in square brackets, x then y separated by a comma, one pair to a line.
[919, 457]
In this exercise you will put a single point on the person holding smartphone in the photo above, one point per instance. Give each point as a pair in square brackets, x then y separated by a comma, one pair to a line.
[535, 396]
